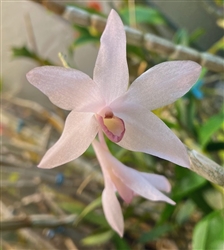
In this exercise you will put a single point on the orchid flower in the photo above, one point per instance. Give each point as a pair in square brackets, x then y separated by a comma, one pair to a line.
[127, 182]
[106, 103]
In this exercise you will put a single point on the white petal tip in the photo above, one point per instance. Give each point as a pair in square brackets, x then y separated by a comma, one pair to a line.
[191, 64]
[29, 75]
[172, 203]
[120, 233]
[44, 166]
[186, 164]
[188, 167]
[41, 166]
[197, 66]
[112, 12]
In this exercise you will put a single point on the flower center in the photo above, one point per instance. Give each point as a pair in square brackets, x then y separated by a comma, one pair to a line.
[111, 125]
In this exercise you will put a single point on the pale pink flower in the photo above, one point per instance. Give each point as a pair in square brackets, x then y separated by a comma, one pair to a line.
[106, 103]
[127, 182]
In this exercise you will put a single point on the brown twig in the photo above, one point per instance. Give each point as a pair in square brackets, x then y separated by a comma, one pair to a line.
[70, 244]
[5, 245]
[149, 41]
[36, 221]
[34, 238]
[20, 183]
[52, 118]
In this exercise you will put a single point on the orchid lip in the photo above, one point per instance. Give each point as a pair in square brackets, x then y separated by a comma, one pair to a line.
[112, 126]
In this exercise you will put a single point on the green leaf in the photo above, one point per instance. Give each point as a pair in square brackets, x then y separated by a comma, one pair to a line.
[215, 146]
[219, 45]
[120, 243]
[187, 182]
[191, 113]
[166, 213]
[98, 239]
[181, 37]
[215, 197]
[209, 128]
[71, 207]
[180, 106]
[93, 205]
[198, 198]
[23, 51]
[184, 38]
[156, 233]
[85, 39]
[185, 211]
[143, 15]
[209, 232]
[85, 36]
[137, 51]
[196, 34]
[91, 217]
[96, 219]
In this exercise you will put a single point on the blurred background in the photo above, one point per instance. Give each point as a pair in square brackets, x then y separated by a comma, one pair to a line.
[61, 208]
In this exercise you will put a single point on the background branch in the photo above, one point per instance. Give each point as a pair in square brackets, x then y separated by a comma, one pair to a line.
[37, 221]
[205, 167]
[36, 240]
[148, 41]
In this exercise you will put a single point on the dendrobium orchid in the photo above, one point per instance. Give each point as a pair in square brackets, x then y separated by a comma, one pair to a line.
[106, 103]
[127, 182]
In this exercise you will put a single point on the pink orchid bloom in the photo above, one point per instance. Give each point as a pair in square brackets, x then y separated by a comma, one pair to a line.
[127, 182]
[106, 103]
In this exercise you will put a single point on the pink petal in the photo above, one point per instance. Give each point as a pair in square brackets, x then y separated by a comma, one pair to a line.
[79, 131]
[146, 133]
[67, 88]
[125, 192]
[163, 84]
[160, 182]
[111, 70]
[137, 182]
[131, 179]
[112, 208]
[106, 162]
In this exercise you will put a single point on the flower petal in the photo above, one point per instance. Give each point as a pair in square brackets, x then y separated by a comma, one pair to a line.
[130, 178]
[111, 69]
[125, 192]
[112, 208]
[106, 163]
[160, 182]
[137, 182]
[163, 84]
[67, 88]
[79, 131]
[145, 132]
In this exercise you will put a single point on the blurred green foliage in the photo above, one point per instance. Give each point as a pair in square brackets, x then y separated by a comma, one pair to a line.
[142, 15]
[86, 35]
[18, 52]
[209, 232]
